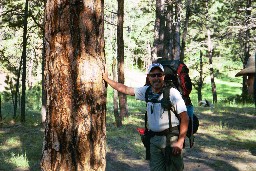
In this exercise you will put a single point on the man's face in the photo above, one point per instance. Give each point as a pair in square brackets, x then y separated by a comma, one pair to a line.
[156, 79]
[250, 83]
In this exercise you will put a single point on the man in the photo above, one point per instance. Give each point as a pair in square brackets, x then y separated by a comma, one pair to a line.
[158, 120]
[249, 71]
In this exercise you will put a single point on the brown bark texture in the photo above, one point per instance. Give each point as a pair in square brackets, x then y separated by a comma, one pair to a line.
[120, 58]
[75, 131]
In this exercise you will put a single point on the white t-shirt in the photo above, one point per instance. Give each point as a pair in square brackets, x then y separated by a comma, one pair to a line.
[158, 119]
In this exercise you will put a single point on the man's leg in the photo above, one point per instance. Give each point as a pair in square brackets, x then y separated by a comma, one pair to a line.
[176, 161]
[157, 158]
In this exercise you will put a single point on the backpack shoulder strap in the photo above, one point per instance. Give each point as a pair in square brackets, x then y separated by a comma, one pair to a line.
[146, 114]
[146, 93]
[166, 104]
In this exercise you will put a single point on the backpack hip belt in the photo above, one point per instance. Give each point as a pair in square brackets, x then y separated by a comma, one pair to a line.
[165, 132]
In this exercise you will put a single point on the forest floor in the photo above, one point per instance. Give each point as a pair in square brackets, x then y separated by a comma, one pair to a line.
[225, 141]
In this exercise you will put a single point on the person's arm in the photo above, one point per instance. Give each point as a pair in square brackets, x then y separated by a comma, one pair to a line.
[118, 86]
[177, 146]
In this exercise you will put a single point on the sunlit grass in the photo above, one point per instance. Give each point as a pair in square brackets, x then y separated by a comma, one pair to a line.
[19, 161]
[12, 142]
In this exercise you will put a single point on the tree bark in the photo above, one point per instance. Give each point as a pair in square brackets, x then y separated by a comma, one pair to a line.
[185, 31]
[118, 118]
[246, 47]
[43, 108]
[24, 64]
[168, 54]
[120, 58]
[177, 31]
[17, 91]
[1, 117]
[200, 84]
[75, 130]
[157, 30]
[210, 55]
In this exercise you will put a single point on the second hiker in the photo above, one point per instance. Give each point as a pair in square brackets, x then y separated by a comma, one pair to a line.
[166, 144]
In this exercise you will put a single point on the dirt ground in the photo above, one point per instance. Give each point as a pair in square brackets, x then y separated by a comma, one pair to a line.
[195, 159]
[225, 141]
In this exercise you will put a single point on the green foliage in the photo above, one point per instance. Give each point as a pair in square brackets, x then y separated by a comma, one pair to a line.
[8, 93]
[138, 31]
[34, 97]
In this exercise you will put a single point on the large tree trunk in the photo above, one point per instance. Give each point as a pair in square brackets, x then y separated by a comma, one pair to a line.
[24, 65]
[168, 54]
[185, 31]
[75, 133]
[159, 29]
[177, 30]
[120, 58]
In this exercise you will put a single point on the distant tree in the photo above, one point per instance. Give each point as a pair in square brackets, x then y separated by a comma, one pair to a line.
[12, 20]
[210, 56]
[247, 45]
[75, 131]
[44, 93]
[185, 30]
[118, 118]
[159, 30]
[238, 33]
[24, 64]
[111, 49]
[198, 80]
[1, 117]
[169, 30]
[120, 57]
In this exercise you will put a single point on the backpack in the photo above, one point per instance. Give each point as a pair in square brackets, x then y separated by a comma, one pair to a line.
[177, 76]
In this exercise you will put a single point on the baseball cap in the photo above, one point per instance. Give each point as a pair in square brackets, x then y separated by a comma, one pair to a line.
[155, 65]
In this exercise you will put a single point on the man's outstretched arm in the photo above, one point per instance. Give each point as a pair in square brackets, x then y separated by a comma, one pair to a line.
[118, 86]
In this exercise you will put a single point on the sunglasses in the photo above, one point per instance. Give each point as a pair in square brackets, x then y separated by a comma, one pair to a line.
[156, 75]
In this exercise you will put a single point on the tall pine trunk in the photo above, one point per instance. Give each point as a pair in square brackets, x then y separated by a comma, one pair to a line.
[118, 118]
[43, 108]
[185, 31]
[168, 53]
[75, 131]
[17, 91]
[176, 55]
[210, 55]
[200, 84]
[24, 65]
[246, 46]
[159, 29]
[1, 117]
[120, 58]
